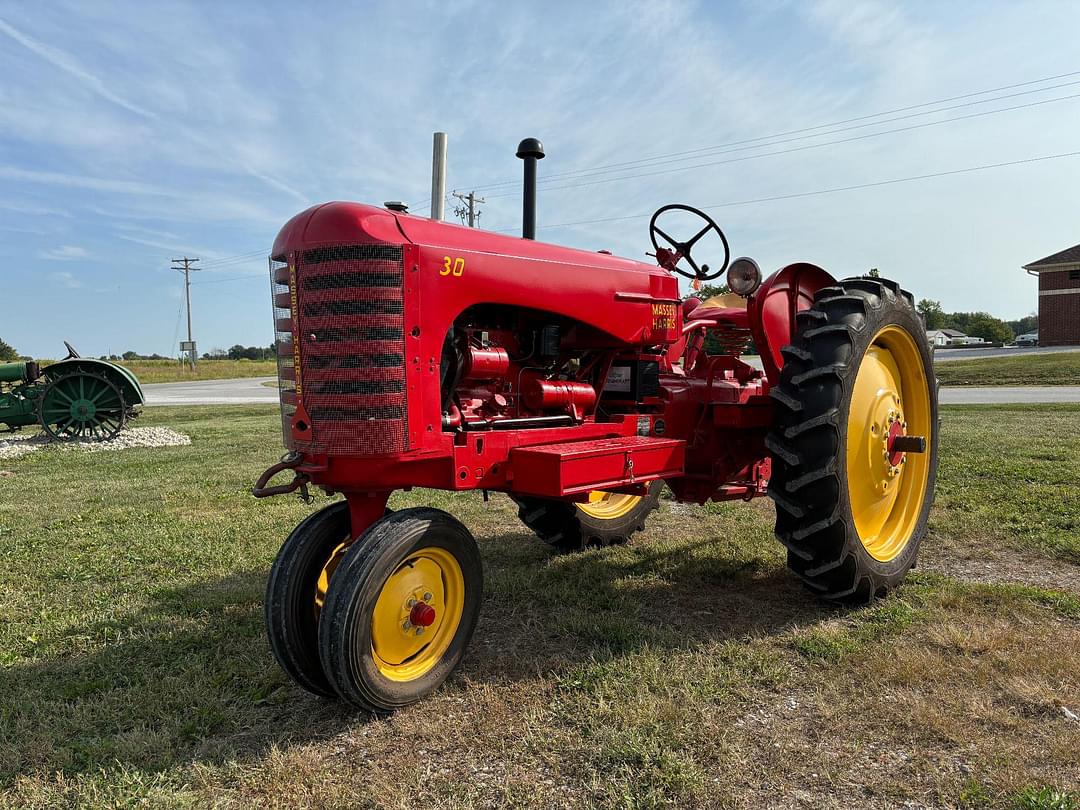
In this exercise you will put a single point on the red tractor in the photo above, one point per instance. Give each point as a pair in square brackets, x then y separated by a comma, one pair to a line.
[415, 353]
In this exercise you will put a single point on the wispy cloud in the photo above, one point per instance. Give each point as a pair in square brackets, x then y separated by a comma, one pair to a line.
[33, 209]
[68, 64]
[81, 181]
[67, 253]
[66, 280]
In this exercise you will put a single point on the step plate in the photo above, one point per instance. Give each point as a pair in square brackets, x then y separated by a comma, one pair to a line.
[571, 468]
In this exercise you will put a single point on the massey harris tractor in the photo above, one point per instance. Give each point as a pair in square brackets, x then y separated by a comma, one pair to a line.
[77, 398]
[415, 353]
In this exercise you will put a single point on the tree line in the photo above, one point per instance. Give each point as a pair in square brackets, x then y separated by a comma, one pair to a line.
[975, 324]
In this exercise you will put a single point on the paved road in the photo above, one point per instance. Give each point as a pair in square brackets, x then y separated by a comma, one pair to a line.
[250, 391]
[945, 355]
[211, 392]
[1003, 395]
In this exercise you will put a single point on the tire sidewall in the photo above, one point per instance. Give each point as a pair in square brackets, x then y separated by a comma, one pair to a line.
[345, 634]
[292, 626]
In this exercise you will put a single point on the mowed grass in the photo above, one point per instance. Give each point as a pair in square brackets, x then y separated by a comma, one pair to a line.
[161, 371]
[685, 669]
[1057, 368]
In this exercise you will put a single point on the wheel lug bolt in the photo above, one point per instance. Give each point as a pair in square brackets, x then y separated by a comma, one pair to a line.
[410, 603]
[419, 631]
[406, 626]
[427, 596]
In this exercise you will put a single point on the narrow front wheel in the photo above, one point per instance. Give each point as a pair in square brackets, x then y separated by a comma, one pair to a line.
[401, 609]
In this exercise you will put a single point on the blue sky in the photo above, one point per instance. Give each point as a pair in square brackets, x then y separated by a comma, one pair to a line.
[134, 132]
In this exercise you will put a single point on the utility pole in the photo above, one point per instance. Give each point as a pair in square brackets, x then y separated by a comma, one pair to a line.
[469, 213]
[187, 269]
[438, 175]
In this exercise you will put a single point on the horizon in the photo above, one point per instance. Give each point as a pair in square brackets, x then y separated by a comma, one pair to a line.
[933, 143]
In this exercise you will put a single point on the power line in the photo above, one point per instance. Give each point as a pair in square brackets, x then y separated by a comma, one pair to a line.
[709, 152]
[796, 148]
[240, 257]
[575, 172]
[262, 276]
[773, 198]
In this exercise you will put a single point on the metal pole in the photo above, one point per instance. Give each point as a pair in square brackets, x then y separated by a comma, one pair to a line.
[472, 209]
[438, 176]
[187, 269]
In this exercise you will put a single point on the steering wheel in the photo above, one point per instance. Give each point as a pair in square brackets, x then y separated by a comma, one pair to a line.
[72, 354]
[684, 248]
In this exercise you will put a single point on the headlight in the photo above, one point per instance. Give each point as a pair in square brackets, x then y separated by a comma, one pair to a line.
[744, 276]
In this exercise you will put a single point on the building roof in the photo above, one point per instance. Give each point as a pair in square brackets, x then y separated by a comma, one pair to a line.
[953, 333]
[1067, 256]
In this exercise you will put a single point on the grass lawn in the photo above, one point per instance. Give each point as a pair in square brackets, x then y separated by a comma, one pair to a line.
[686, 669]
[1058, 368]
[160, 371]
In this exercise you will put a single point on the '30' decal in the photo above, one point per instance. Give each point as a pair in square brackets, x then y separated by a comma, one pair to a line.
[452, 267]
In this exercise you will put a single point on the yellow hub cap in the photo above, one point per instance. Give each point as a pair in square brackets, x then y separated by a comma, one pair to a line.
[417, 614]
[608, 505]
[891, 397]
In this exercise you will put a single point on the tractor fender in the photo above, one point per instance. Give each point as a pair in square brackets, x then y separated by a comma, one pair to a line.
[116, 374]
[773, 308]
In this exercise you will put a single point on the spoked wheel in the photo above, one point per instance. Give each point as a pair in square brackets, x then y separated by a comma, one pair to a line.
[296, 593]
[82, 405]
[400, 610]
[607, 519]
[855, 444]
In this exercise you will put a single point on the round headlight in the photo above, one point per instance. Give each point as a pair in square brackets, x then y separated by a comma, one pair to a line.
[744, 276]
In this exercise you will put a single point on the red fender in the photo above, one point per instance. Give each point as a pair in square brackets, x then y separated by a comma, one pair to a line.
[772, 310]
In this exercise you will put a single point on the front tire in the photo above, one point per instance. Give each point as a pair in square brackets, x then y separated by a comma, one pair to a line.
[851, 508]
[401, 609]
[296, 593]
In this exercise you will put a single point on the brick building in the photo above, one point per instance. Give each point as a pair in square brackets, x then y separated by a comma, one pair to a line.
[1059, 297]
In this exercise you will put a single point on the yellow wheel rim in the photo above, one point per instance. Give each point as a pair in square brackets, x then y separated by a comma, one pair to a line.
[887, 489]
[430, 578]
[608, 505]
[323, 585]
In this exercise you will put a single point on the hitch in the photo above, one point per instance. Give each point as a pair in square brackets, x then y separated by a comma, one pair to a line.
[300, 480]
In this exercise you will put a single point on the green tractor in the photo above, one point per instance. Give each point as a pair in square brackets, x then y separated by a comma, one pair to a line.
[77, 398]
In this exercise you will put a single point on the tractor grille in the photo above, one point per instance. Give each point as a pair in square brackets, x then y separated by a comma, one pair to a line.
[349, 321]
[280, 293]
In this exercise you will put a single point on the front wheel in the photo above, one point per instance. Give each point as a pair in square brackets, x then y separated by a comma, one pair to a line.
[296, 593]
[400, 610]
[854, 447]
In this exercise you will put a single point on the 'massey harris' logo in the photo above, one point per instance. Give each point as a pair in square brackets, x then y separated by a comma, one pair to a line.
[663, 317]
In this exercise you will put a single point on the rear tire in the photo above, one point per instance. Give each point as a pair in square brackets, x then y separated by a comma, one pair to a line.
[850, 512]
[378, 653]
[572, 527]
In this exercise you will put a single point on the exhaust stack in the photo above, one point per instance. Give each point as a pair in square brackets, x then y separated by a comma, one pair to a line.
[529, 150]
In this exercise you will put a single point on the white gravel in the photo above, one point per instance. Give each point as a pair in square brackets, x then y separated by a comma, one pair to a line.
[17, 445]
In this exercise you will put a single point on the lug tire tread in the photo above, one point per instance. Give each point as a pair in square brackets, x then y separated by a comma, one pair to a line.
[808, 438]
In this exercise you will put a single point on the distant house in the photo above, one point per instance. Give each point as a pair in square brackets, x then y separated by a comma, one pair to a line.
[951, 337]
[1059, 297]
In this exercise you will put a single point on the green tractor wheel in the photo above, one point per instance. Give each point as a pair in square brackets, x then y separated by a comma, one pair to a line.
[82, 405]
